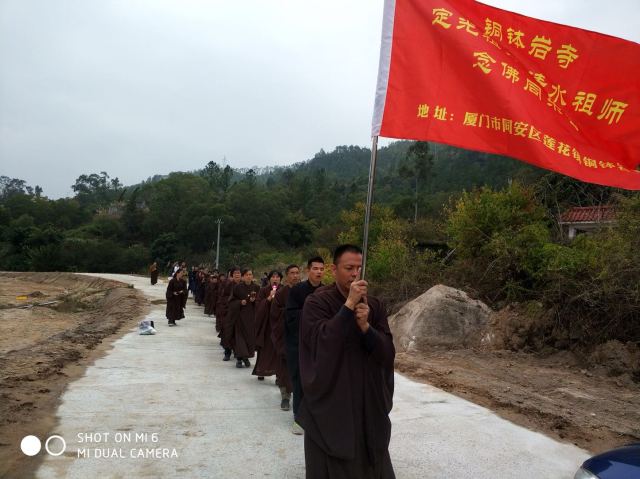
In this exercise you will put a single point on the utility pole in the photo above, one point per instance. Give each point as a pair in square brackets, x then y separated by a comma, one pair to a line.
[219, 221]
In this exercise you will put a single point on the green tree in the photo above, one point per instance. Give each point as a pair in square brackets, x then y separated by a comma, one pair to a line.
[133, 216]
[418, 167]
[164, 248]
[96, 189]
[14, 186]
[297, 230]
[218, 178]
[499, 239]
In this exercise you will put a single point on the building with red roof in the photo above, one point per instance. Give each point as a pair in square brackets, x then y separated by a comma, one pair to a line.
[585, 219]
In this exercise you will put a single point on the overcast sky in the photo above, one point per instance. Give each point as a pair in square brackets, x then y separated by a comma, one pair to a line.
[144, 87]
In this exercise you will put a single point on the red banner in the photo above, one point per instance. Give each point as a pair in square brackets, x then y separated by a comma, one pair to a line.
[477, 77]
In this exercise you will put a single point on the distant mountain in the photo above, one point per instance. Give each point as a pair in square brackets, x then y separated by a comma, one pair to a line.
[454, 169]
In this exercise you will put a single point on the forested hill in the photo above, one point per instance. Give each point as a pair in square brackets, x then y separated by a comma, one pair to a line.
[452, 169]
[441, 215]
[107, 226]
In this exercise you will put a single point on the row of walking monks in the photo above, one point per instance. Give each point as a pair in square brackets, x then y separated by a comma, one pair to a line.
[330, 348]
[249, 319]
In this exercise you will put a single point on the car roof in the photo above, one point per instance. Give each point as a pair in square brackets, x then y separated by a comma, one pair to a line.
[616, 463]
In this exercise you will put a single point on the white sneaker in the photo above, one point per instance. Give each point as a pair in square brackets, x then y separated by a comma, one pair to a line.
[296, 429]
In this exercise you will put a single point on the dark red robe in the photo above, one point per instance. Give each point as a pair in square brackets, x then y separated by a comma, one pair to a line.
[174, 310]
[347, 378]
[227, 331]
[210, 297]
[185, 293]
[222, 304]
[276, 321]
[243, 318]
[201, 283]
[267, 358]
[154, 274]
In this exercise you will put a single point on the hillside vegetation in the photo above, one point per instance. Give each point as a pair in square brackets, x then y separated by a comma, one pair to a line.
[483, 223]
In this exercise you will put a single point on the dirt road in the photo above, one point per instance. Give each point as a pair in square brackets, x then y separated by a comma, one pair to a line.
[43, 349]
[52, 325]
[215, 420]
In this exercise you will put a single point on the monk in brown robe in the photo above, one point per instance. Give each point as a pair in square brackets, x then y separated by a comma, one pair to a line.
[185, 290]
[219, 310]
[346, 370]
[201, 282]
[211, 295]
[175, 295]
[227, 334]
[276, 319]
[153, 272]
[242, 311]
[267, 358]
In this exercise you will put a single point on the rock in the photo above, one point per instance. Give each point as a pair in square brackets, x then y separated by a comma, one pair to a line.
[440, 317]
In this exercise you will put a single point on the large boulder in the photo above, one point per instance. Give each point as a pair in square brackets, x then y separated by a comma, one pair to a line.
[442, 317]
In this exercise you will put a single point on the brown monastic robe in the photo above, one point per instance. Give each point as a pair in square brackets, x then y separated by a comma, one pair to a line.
[276, 321]
[222, 304]
[347, 378]
[228, 322]
[267, 357]
[153, 271]
[243, 318]
[210, 297]
[185, 293]
[174, 301]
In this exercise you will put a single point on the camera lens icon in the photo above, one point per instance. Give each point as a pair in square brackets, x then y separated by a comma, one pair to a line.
[55, 445]
[30, 445]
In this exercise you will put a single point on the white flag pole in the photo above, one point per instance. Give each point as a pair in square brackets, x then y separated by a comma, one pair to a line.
[378, 110]
[367, 214]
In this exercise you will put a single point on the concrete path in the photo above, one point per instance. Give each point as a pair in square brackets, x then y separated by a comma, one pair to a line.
[168, 406]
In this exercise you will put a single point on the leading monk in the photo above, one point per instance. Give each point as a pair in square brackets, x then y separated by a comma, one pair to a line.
[346, 371]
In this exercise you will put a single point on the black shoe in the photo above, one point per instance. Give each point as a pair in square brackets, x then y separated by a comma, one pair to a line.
[247, 363]
[260, 378]
[227, 357]
[284, 405]
[239, 363]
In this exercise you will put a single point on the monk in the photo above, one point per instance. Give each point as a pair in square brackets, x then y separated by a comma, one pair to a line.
[295, 302]
[346, 370]
[276, 319]
[211, 295]
[175, 294]
[219, 312]
[228, 331]
[200, 287]
[192, 280]
[153, 272]
[185, 290]
[242, 313]
[267, 358]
